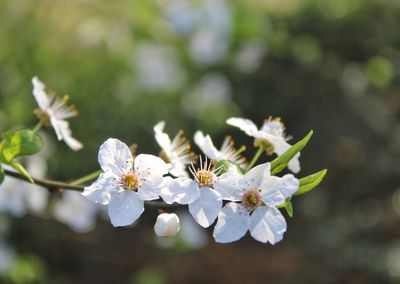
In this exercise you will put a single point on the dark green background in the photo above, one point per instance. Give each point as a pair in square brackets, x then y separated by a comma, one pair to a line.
[329, 65]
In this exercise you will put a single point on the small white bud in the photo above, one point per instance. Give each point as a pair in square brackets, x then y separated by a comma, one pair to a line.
[167, 225]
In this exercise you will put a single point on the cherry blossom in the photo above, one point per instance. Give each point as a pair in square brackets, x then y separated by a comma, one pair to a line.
[126, 182]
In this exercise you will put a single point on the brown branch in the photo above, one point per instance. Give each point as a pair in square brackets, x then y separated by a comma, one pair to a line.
[51, 185]
[59, 186]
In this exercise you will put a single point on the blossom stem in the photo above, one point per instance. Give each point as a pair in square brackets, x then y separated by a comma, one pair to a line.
[86, 178]
[51, 185]
[58, 186]
[37, 127]
[255, 158]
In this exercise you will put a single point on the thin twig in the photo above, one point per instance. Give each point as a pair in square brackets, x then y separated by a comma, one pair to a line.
[56, 186]
[51, 185]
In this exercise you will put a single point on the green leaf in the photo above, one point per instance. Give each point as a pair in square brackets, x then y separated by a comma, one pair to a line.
[309, 182]
[22, 170]
[225, 166]
[2, 175]
[282, 161]
[19, 143]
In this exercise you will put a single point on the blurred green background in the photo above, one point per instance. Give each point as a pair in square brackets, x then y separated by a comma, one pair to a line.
[328, 65]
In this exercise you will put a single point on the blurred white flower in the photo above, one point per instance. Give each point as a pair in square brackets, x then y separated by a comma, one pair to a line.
[18, 197]
[227, 151]
[210, 42]
[191, 233]
[258, 193]
[176, 152]
[181, 15]
[55, 112]
[126, 182]
[76, 211]
[207, 47]
[213, 89]
[157, 67]
[249, 56]
[91, 32]
[271, 137]
[353, 80]
[167, 225]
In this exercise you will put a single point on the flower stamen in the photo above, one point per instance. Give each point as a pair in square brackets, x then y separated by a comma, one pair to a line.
[205, 175]
[130, 181]
[251, 199]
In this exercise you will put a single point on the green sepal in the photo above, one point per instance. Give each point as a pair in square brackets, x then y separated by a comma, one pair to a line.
[310, 182]
[21, 170]
[225, 166]
[288, 207]
[283, 160]
[2, 175]
[19, 143]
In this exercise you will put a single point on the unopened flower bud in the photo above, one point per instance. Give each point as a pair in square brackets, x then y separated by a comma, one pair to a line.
[167, 225]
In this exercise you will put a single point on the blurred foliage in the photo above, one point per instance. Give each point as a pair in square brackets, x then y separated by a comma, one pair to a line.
[330, 65]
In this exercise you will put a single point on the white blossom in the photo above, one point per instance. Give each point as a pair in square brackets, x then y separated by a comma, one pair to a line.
[271, 137]
[258, 193]
[200, 194]
[76, 211]
[167, 225]
[55, 112]
[126, 182]
[176, 152]
[226, 152]
[18, 197]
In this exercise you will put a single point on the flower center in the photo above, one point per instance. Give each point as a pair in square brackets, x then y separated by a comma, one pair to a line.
[43, 116]
[131, 181]
[205, 178]
[265, 144]
[251, 199]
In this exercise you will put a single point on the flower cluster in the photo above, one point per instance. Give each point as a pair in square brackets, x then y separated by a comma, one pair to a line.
[221, 187]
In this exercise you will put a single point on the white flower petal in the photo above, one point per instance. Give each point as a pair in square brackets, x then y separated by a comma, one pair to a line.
[41, 97]
[206, 208]
[233, 223]
[229, 187]
[178, 170]
[267, 225]
[56, 126]
[150, 169]
[162, 138]
[206, 145]
[125, 208]
[99, 192]
[244, 124]
[253, 178]
[275, 190]
[149, 193]
[274, 127]
[62, 129]
[115, 156]
[180, 190]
